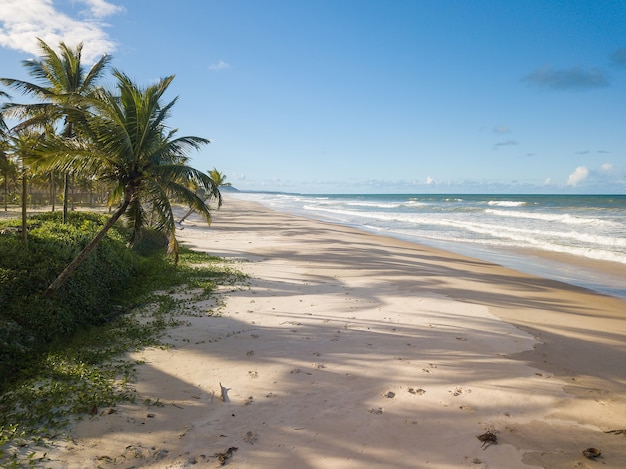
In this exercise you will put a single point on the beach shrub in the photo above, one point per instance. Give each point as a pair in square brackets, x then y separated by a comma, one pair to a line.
[30, 323]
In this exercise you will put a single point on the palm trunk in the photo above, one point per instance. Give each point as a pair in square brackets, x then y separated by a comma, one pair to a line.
[82, 255]
[66, 192]
[24, 194]
[53, 192]
[191, 210]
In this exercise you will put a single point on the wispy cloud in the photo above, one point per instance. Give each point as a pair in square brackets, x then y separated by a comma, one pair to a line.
[23, 21]
[501, 129]
[221, 65]
[506, 143]
[101, 8]
[575, 78]
[619, 57]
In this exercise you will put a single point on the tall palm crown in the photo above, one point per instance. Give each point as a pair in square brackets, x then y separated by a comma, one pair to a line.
[142, 157]
[61, 81]
[219, 178]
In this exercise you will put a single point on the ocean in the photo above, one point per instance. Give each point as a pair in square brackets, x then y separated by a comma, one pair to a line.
[578, 239]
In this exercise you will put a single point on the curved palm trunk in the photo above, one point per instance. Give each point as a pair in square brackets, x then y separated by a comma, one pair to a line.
[82, 255]
[189, 212]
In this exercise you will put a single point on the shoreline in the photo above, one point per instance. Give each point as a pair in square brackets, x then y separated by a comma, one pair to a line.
[601, 275]
[350, 350]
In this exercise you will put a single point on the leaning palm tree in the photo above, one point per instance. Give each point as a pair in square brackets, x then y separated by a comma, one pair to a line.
[219, 180]
[62, 81]
[128, 144]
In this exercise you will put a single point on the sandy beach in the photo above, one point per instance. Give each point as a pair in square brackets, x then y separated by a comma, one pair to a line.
[351, 350]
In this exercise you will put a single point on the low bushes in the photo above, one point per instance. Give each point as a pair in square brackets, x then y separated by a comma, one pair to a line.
[99, 290]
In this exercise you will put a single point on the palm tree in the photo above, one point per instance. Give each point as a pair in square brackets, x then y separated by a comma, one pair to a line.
[8, 171]
[128, 144]
[219, 179]
[23, 144]
[5, 163]
[62, 82]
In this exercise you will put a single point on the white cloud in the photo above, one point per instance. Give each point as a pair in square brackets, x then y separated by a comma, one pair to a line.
[430, 181]
[221, 65]
[23, 21]
[102, 8]
[547, 182]
[579, 175]
[607, 167]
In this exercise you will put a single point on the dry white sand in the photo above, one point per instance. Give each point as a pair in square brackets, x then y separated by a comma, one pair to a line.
[350, 350]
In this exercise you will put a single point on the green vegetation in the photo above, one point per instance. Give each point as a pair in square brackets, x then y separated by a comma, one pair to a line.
[72, 285]
[64, 357]
[118, 137]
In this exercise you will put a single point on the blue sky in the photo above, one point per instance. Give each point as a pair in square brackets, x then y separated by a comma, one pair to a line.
[363, 96]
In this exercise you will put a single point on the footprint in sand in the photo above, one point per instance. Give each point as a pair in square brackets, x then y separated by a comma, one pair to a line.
[250, 437]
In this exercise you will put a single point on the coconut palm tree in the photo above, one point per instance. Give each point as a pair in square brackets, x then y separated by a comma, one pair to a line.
[8, 172]
[23, 144]
[62, 81]
[128, 144]
[219, 180]
[5, 163]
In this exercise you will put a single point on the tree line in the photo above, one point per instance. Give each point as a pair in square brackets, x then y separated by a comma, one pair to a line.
[113, 142]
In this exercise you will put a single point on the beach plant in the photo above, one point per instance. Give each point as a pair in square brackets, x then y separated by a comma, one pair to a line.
[127, 143]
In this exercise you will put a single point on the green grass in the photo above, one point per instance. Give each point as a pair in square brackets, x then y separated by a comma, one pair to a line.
[83, 370]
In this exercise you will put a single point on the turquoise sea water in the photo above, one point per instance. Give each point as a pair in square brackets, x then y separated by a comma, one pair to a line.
[579, 239]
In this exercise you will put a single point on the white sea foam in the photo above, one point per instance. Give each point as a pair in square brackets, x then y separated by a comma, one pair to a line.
[506, 203]
[556, 217]
[590, 227]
